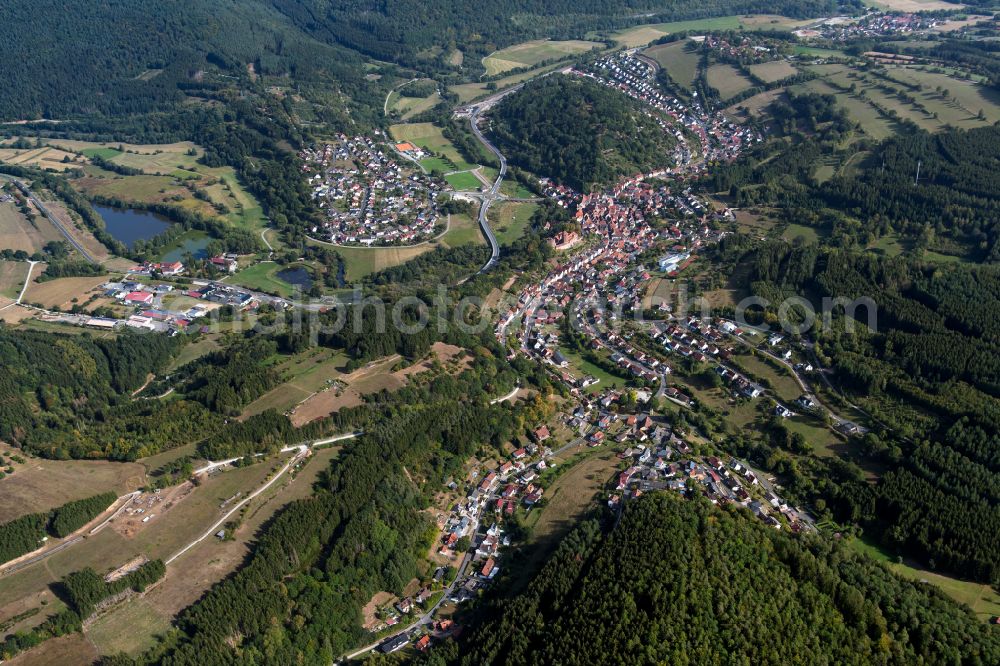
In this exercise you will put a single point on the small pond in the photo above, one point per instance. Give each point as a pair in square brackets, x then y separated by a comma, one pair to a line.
[297, 276]
[129, 225]
[196, 246]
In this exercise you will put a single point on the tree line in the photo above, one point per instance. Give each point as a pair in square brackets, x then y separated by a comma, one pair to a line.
[83, 592]
[24, 534]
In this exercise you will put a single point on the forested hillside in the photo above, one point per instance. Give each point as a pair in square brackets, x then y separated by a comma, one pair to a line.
[930, 375]
[681, 582]
[953, 208]
[53, 387]
[578, 132]
[407, 30]
[128, 56]
[298, 597]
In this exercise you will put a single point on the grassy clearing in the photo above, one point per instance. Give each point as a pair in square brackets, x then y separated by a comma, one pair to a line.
[800, 233]
[62, 291]
[103, 153]
[463, 230]
[470, 91]
[131, 628]
[728, 80]
[194, 350]
[531, 53]
[306, 373]
[212, 560]
[911, 5]
[190, 517]
[133, 625]
[567, 500]
[823, 441]
[40, 484]
[942, 99]
[12, 276]
[407, 106]
[817, 51]
[44, 157]
[430, 137]
[754, 105]
[263, 277]
[580, 367]
[982, 599]
[677, 58]
[72, 649]
[509, 220]
[774, 71]
[155, 462]
[872, 122]
[890, 246]
[463, 181]
[102, 552]
[781, 382]
[362, 261]
[938, 258]
[373, 377]
[511, 188]
[964, 101]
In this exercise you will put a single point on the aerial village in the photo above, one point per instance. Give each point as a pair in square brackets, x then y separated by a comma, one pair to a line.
[600, 266]
[873, 24]
[370, 196]
[653, 456]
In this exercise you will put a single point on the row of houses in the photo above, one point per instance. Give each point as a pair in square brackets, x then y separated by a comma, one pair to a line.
[659, 467]
[720, 138]
[166, 269]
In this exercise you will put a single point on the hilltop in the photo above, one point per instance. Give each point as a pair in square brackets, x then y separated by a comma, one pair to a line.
[578, 133]
[685, 582]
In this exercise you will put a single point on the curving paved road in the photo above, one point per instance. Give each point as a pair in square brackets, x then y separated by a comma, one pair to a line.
[492, 194]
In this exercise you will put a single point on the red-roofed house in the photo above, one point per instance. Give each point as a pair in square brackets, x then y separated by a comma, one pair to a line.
[137, 297]
[488, 482]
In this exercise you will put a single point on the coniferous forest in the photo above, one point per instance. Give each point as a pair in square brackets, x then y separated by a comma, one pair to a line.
[683, 582]
[578, 132]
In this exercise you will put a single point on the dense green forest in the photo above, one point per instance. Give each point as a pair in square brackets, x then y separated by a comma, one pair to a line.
[578, 132]
[123, 57]
[930, 378]
[67, 395]
[683, 582]
[412, 32]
